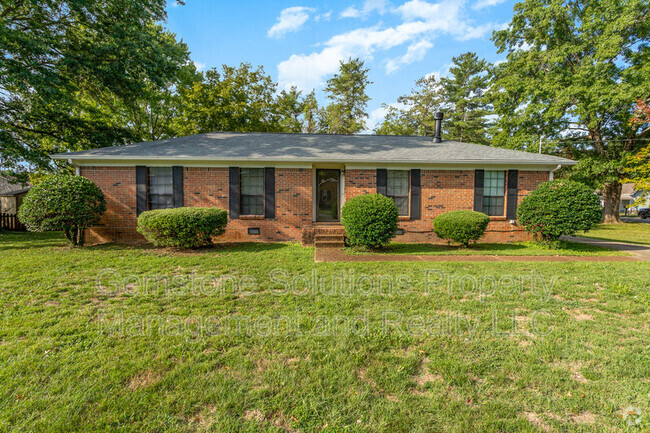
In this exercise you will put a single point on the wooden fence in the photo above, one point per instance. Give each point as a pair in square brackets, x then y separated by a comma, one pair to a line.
[10, 222]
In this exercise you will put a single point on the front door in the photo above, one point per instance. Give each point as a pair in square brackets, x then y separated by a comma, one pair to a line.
[327, 194]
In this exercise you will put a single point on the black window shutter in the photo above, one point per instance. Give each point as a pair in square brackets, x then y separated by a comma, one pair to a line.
[177, 189]
[382, 180]
[511, 210]
[269, 192]
[478, 190]
[140, 189]
[415, 194]
[233, 194]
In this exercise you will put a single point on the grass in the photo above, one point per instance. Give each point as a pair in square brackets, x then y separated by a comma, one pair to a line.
[634, 233]
[139, 339]
[511, 249]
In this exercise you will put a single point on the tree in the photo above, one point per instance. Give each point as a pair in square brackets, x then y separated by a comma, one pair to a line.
[346, 114]
[67, 68]
[462, 95]
[573, 72]
[290, 109]
[238, 99]
[395, 122]
[63, 202]
[415, 116]
[310, 113]
[638, 165]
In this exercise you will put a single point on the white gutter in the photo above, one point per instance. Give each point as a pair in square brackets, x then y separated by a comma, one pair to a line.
[550, 174]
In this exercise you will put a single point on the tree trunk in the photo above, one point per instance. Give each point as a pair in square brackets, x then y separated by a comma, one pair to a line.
[611, 202]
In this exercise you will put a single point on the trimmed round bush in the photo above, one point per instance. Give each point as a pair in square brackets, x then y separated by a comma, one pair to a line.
[462, 226]
[183, 227]
[63, 202]
[370, 220]
[559, 207]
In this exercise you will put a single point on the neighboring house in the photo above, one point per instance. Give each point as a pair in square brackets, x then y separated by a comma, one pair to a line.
[11, 196]
[632, 200]
[282, 187]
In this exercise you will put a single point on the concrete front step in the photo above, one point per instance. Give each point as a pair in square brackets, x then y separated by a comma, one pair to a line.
[329, 237]
[324, 244]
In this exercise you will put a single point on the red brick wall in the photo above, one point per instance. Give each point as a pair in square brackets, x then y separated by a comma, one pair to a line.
[203, 187]
[119, 221]
[444, 191]
[441, 191]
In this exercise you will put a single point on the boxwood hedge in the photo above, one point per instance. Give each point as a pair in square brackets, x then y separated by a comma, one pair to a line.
[462, 226]
[183, 227]
[370, 220]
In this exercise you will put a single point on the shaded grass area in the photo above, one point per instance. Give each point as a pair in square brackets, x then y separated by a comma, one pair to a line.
[634, 233]
[239, 338]
[511, 249]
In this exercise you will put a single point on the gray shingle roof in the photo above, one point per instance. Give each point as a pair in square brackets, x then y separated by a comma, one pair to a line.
[8, 188]
[228, 146]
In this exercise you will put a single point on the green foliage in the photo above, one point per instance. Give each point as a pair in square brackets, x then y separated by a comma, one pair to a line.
[370, 220]
[69, 69]
[290, 109]
[573, 74]
[310, 113]
[559, 207]
[238, 99]
[460, 95]
[347, 90]
[462, 226]
[63, 202]
[183, 227]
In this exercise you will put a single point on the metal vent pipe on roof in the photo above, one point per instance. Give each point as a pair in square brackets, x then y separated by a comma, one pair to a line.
[437, 138]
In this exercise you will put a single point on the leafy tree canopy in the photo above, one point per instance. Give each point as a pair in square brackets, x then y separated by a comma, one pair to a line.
[573, 73]
[68, 67]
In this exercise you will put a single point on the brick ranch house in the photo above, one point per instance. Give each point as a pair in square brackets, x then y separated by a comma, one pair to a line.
[284, 187]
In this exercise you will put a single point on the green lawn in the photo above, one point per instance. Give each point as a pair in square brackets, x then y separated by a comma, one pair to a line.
[136, 339]
[636, 233]
[512, 249]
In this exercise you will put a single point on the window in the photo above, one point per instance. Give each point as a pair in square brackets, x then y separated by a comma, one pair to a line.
[397, 188]
[494, 184]
[160, 188]
[252, 191]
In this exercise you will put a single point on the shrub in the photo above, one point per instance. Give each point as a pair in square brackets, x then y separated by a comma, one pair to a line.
[63, 202]
[461, 226]
[559, 207]
[183, 227]
[370, 220]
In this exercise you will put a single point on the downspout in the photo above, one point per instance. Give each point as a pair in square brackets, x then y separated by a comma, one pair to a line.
[550, 173]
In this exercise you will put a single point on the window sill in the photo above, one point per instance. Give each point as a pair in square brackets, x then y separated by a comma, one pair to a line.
[251, 217]
[404, 218]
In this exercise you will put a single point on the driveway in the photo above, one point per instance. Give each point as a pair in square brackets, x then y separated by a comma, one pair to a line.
[635, 220]
[642, 251]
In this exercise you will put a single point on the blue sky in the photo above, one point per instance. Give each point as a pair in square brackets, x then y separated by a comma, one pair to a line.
[301, 42]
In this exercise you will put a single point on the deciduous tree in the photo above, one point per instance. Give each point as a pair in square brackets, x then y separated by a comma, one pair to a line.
[573, 73]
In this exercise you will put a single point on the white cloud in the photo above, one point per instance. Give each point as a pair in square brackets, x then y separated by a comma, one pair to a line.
[480, 4]
[199, 66]
[290, 20]
[324, 16]
[414, 53]
[369, 6]
[421, 21]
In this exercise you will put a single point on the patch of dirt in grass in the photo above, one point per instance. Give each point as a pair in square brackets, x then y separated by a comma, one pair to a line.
[204, 417]
[254, 415]
[144, 380]
[537, 421]
[574, 369]
[579, 315]
[584, 417]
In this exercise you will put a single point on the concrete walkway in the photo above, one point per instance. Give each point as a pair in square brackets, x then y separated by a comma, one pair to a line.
[641, 251]
[339, 255]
